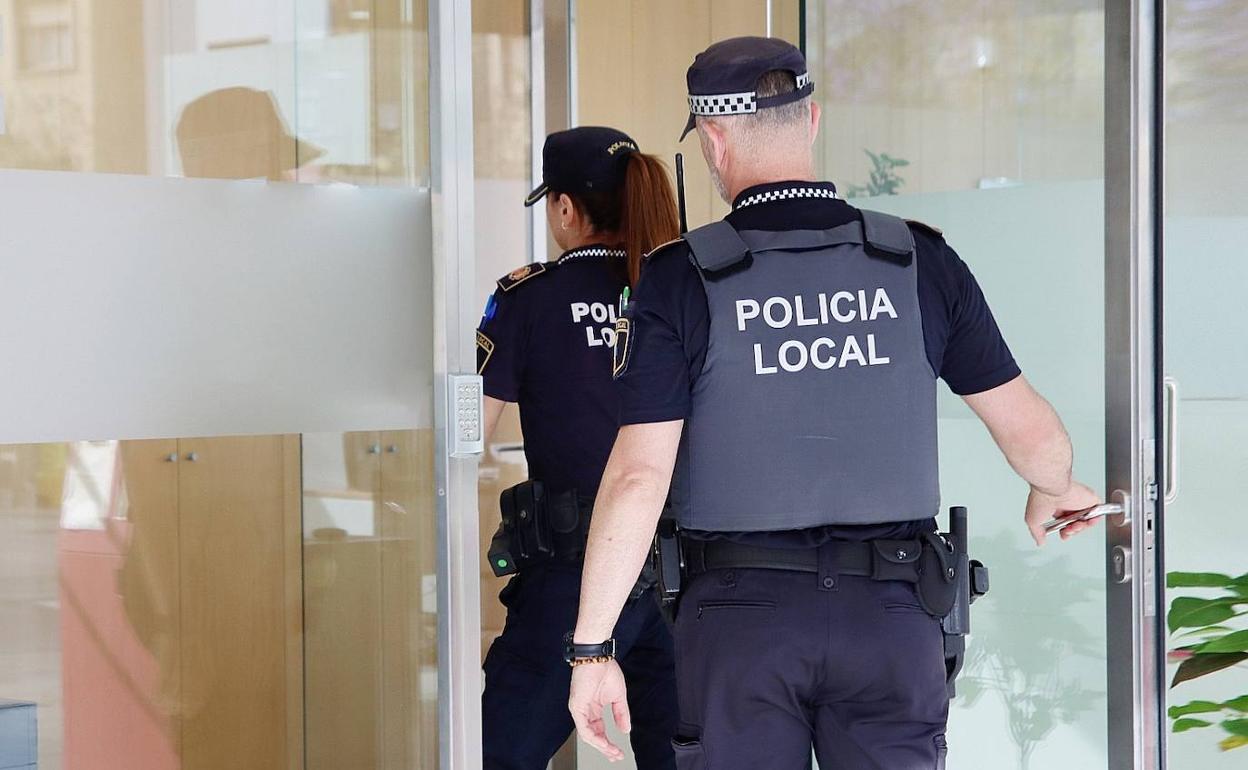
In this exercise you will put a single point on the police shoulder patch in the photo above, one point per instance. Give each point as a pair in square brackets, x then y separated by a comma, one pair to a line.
[485, 349]
[930, 229]
[623, 348]
[521, 274]
[663, 246]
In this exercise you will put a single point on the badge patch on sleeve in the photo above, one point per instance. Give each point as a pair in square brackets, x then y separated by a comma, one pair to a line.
[485, 349]
[623, 347]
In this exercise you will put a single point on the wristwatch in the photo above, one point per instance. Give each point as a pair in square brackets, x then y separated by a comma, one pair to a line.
[579, 654]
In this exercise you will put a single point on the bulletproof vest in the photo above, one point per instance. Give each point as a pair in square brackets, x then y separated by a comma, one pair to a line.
[817, 403]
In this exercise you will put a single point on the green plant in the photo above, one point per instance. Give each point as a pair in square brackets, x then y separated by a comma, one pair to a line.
[1216, 641]
[884, 179]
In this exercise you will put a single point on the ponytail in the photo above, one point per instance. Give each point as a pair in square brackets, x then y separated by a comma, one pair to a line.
[641, 213]
[649, 218]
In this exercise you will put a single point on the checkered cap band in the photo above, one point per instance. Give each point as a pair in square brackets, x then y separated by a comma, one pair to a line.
[596, 251]
[723, 104]
[787, 193]
[734, 104]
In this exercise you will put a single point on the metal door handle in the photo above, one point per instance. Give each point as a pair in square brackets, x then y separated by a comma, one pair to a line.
[1171, 386]
[192, 456]
[393, 449]
[172, 457]
[374, 449]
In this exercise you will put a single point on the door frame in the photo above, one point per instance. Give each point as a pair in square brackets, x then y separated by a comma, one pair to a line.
[455, 478]
[1135, 574]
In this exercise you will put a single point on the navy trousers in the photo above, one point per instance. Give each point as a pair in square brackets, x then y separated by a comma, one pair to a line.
[525, 706]
[770, 664]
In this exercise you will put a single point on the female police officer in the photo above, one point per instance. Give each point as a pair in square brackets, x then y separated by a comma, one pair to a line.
[546, 343]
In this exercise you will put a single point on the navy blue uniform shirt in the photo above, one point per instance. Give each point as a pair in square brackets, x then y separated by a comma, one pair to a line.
[549, 330]
[670, 320]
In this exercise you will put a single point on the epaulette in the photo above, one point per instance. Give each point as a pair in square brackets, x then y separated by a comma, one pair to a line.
[662, 246]
[930, 229]
[522, 274]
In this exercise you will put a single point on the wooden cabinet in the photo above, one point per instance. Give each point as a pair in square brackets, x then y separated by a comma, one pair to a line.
[371, 609]
[181, 619]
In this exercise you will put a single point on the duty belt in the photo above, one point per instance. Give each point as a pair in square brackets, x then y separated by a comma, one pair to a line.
[876, 559]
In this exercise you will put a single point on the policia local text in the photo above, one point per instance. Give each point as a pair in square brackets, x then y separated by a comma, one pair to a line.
[824, 352]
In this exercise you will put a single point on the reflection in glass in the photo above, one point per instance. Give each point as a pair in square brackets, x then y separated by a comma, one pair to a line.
[107, 91]
[370, 600]
[967, 94]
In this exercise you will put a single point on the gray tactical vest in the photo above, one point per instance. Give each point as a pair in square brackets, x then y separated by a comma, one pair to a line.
[817, 403]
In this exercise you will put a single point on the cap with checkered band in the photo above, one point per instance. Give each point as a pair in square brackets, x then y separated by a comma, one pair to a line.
[722, 78]
[582, 160]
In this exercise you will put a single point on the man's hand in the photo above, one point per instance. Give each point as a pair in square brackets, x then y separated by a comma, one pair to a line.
[595, 686]
[1041, 507]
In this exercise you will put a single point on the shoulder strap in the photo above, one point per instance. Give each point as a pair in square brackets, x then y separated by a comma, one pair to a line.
[716, 246]
[521, 274]
[888, 234]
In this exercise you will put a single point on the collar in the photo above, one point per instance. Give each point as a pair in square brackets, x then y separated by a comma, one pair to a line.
[782, 191]
[593, 250]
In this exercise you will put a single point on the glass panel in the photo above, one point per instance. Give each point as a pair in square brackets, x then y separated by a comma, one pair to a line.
[1206, 225]
[985, 119]
[155, 594]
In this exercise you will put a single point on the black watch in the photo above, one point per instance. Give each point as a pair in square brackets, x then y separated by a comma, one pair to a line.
[575, 654]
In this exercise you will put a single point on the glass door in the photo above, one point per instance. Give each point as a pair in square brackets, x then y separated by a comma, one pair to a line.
[1206, 533]
[986, 120]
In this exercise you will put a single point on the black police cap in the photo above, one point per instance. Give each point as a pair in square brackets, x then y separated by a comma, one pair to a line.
[581, 160]
[722, 78]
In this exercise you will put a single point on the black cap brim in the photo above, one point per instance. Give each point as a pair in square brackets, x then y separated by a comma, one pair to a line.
[689, 126]
[538, 193]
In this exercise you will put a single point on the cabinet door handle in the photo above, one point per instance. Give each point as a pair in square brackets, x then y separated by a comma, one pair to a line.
[192, 456]
[172, 457]
[393, 449]
[374, 449]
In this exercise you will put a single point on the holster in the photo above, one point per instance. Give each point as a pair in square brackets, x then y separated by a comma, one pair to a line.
[667, 565]
[539, 527]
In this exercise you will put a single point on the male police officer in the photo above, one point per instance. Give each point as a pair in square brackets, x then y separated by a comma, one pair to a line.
[784, 364]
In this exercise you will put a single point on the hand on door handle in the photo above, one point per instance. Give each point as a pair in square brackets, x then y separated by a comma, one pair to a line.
[1068, 510]
[1095, 512]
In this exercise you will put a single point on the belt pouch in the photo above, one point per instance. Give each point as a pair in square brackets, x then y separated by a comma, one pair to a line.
[895, 560]
[938, 584]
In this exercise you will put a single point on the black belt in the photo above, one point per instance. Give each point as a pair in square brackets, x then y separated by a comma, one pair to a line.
[845, 557]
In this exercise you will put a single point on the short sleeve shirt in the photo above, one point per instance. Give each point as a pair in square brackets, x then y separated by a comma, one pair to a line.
[545, 344]
[670, 322]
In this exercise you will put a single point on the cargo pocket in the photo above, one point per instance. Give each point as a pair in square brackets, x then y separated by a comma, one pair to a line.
[942, 751]
[689, 754]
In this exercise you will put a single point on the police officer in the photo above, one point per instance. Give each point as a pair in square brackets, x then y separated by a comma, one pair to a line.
[784, 362]
[546, 344]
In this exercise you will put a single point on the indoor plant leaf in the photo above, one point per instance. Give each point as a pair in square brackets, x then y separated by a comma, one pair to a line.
[1233, 742]
[1191, 612]
[1183, 725]
[1236, 727]
[1238, 704]
[1206, 663]
[1195, 707]
[1206, 631]
[1198, 580]
[1233, 642]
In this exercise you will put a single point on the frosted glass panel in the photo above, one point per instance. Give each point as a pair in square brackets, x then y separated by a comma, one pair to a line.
[1033, 691]
[178, 307]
